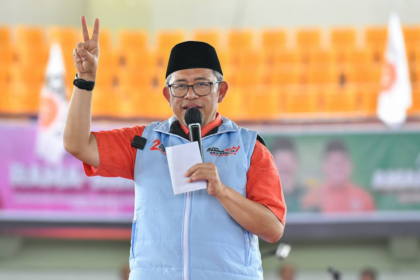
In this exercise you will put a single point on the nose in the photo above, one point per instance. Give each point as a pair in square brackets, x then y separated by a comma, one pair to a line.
[191, 94]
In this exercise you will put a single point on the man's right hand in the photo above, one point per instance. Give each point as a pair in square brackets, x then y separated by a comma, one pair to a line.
[86, 54]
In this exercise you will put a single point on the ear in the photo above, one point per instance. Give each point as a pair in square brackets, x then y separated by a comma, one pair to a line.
[222, 91]
[167, 95]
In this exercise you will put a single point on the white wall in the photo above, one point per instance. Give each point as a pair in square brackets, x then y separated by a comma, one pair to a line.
[41, 12]
[190, 14]
[286, 13]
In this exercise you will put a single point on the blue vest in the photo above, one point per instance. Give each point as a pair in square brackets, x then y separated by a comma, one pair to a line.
[191, 236]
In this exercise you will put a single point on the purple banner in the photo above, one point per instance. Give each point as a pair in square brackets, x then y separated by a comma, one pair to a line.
[31, 188]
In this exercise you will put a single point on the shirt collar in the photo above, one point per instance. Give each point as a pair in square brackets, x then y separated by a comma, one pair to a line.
[207, 128]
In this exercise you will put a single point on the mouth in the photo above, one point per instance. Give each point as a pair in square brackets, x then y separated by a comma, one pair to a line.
[191, 105]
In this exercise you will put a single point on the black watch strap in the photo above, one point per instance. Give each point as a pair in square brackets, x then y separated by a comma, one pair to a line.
[83, 84]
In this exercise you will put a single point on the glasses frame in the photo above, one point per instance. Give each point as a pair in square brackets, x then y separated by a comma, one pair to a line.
[192, 86]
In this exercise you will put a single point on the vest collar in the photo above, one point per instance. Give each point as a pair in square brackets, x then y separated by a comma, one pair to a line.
[227, 126]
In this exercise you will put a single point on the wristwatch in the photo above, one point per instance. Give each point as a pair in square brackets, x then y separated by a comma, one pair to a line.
[83, 84]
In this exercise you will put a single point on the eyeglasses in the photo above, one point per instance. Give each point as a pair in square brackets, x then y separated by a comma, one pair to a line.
[200, 88]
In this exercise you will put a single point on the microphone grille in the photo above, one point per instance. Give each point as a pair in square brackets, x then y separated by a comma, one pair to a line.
[193, 115]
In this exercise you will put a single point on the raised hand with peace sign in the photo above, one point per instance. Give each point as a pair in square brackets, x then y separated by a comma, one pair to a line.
[86, 54]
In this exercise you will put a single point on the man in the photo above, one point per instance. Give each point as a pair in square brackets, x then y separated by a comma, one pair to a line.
[339, 194]
[207, 234]
[125, 273]
[286, 159]
[287, 272]
[368, 274]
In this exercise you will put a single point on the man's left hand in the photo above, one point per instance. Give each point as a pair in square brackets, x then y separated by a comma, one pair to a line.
[208, 172]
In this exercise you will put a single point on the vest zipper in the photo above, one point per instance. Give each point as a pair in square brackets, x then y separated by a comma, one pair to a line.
[186, 236]
[187, 212]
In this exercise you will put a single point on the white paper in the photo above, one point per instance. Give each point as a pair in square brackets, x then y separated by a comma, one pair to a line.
[180, 159]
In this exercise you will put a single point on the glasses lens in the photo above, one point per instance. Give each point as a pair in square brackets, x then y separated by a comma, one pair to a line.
[202, 88]
[179, 89]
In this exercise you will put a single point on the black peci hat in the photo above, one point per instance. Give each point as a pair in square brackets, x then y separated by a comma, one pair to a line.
[193, 54]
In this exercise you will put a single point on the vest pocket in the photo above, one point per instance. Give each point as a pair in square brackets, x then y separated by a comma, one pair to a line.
[247, 247]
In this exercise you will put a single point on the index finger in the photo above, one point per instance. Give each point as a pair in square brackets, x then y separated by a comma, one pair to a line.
[192, 170]
[85, 29]
[195, 168]
[95, 35]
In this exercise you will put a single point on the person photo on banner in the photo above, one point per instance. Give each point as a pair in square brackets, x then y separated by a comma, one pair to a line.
[210, 233]
[338, 193]
[287, 161]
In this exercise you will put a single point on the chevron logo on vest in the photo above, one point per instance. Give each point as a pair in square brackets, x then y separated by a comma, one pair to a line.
[158, 147]
[223, 153]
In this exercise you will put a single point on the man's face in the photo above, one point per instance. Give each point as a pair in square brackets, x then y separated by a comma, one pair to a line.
[367, 277]
[206, 104]
[286, 163]
[337, 168]
[288, 273]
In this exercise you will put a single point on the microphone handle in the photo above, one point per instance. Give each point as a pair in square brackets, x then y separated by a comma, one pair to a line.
[268, 254]
[195, 136]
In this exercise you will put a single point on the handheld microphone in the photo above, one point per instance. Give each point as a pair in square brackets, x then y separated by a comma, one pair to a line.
[194, 119]
[281, 252]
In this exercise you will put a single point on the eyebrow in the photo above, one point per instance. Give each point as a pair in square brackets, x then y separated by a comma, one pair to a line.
[184, 80]
[201, 78]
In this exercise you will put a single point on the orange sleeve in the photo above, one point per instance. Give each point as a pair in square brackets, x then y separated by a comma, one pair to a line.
[116, 155]
[263, 184]
[369, 204]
